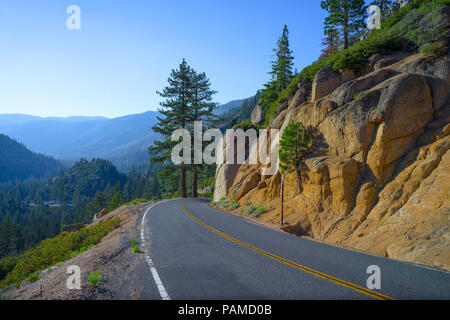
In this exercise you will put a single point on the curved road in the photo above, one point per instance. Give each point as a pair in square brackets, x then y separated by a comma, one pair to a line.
[197, 252]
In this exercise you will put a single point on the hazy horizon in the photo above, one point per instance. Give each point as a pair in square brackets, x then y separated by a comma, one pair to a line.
[125, 51]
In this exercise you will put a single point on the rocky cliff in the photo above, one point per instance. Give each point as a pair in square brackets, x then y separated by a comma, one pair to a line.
[379, 179]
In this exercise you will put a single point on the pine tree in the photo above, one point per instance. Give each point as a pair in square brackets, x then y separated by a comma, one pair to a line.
[202, 107]
[281, 74]
[282, 66]
[331, 42]
[294, 147]
[8, 238]
[116, 200]
[348, 16]
[177, 112]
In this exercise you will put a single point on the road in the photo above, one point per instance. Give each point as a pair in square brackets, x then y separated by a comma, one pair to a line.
[197, 252]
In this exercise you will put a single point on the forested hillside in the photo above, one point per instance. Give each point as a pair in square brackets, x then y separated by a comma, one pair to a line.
[17, 162]
[35, 209]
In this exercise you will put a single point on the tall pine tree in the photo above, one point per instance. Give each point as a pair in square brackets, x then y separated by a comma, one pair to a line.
[177, 112]
[281, 74]
[331, 43]
[202, 110]
[347, 16]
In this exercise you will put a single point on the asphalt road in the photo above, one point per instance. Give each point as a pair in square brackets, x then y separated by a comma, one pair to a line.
[197, 252]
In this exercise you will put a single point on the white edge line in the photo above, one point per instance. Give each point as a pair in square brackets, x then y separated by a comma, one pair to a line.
[162, 290]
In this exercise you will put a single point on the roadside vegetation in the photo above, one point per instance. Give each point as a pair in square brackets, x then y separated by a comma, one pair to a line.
[51, 252]
[133, 245]
[94, 278]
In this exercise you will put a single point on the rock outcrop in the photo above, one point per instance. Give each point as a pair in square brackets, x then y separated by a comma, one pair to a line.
[379, 178]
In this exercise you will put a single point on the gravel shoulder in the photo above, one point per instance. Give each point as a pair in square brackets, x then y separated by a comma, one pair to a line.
[124, 273]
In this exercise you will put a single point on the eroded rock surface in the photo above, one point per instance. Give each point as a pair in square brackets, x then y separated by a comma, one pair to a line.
[379, 178]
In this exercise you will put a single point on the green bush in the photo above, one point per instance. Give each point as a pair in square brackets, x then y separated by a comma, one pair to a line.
[246, 125]
[224, 203]
[94, 278]
[234, 205]
[6, 265]
[136, 202]
[133, 245]
[434, 50]
[259, 211]
[52, 251]
[359, 95]
[250, 209]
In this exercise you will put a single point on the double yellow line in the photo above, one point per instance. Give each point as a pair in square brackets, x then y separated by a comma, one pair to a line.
[290, 263]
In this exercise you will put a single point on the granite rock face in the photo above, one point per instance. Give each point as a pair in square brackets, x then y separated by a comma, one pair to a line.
[380, 180]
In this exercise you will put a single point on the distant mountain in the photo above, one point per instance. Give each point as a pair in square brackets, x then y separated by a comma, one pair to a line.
[224, 108]
[123, 140]
[17, 162]
[82, 137]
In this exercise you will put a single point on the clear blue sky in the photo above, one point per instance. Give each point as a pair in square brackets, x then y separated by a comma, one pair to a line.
[126, 49]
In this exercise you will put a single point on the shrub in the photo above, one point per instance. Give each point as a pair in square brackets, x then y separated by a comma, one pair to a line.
[359, 95]
[136, 202]
[55, 250]
[6, 265]
[251, 209]
[259, 211]
[133, 245]
[434, 50]
[94, 278]
[234, 205]
[246, 125]
[224, 203]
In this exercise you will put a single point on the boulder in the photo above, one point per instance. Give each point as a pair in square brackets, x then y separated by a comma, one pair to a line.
[244, 182]
[328, 79]
[325, 81]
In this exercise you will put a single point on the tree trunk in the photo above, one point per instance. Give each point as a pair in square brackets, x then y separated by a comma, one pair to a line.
[194, 182]
[183, 182]
[345, 35]
[299, 179]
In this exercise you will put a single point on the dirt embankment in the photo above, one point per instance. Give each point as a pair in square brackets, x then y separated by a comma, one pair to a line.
[113, 256]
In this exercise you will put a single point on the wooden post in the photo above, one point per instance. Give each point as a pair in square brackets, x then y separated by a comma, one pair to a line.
[282, 199]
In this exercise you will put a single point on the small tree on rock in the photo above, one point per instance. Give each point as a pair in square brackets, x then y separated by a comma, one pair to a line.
[294, 147]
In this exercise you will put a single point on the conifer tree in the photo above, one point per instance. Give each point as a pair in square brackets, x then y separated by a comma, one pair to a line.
[331, 42]
[202, 110]
[347, 16]
[281, 74]
[116, 200]
[177, 112]
[294, 147]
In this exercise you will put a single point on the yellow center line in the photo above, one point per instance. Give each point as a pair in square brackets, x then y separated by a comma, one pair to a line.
[290, 263]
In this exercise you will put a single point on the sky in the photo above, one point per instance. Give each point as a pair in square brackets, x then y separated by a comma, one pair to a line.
[125, 49]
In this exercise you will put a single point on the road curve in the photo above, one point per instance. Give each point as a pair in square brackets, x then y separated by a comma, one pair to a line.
[197, 252]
